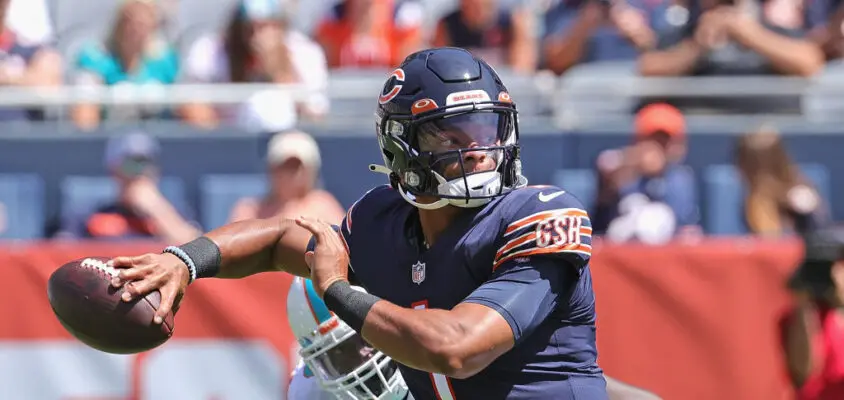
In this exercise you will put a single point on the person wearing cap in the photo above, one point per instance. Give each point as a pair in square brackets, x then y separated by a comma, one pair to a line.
[665, 125]
[812, 330]
[139, 210]
[259, 45]
[644, 191]
[293, 165]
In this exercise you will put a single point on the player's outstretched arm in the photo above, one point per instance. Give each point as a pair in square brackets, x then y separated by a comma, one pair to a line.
[260, 245]
[233, 251]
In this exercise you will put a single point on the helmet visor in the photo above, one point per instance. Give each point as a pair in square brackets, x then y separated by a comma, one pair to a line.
[463, 131]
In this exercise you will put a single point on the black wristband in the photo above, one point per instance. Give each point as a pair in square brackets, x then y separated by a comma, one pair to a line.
[205, 255]
[349, 304]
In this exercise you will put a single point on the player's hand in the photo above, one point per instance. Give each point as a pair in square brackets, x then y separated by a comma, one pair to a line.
[150, 272]
[329, 262]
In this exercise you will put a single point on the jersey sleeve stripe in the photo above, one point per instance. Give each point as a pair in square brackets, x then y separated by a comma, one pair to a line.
[542, 215]
[517, 242]
[581, 248]
[349, 219]
[345, 244]
[529, 237]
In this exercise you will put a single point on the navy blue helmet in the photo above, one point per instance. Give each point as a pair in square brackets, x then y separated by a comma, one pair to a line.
[439, 113]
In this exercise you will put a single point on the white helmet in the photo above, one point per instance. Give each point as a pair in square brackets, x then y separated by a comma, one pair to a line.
[342, 361]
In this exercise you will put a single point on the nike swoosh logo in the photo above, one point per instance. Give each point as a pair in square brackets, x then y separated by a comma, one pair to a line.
[548, 197]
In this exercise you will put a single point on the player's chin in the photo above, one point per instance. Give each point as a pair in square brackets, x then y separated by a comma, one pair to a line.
[426, 199]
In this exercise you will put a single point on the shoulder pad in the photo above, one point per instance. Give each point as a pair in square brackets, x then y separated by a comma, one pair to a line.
[547, 221]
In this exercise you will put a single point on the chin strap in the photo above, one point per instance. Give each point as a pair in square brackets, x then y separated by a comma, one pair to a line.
[407, 196]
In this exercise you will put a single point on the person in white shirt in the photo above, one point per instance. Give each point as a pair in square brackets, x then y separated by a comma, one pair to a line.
[336, 363]
[259, 45]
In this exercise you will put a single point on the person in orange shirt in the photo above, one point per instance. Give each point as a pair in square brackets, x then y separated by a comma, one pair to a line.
[369, 33]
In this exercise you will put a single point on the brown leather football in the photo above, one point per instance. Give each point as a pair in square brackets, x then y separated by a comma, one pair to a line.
[86, 304]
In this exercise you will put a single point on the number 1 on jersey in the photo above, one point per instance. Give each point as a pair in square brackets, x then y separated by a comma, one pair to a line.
[442, 384]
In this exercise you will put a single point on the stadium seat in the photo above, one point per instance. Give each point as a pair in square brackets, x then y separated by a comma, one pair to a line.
[724, 196]
[581, 182]
[219, 193]
[22, 199]
[86, 193]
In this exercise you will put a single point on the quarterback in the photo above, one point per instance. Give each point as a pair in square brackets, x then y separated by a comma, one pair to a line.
[478, 285]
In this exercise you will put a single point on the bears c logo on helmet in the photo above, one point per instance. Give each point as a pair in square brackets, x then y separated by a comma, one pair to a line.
[392, 87]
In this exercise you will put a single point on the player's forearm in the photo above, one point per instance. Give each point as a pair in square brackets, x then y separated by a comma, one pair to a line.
[429, 340]
[260, 245]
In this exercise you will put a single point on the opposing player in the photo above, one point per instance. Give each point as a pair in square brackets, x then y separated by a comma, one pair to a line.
[479, 286]
[336, 363]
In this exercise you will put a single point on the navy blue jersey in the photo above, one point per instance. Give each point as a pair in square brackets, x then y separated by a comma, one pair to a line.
[525, 255]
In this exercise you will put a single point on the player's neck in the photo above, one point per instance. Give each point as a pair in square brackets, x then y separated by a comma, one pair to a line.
[435, 222]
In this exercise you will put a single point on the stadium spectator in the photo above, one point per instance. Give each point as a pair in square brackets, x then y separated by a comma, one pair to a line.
[30, 21]
[503, 37]
[812, 330]
[259, 45]
[293, 164]
[779, 199]
[370, 33]
[139, 210]
[646, 193]
[25, 63]
[739, 37]
[596, 30]
[830, 35]
[134, 53]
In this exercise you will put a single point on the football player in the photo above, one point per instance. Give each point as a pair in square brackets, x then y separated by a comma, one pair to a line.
[336, 363]
[479, 286]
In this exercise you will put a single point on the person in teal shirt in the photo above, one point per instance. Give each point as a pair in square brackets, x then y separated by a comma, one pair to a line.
[134, 54]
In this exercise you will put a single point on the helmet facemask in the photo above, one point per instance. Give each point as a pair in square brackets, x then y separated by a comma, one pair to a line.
[350, 368]
[435, 154]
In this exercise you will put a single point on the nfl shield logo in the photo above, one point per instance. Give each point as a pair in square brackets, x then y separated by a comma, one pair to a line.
[418, 272]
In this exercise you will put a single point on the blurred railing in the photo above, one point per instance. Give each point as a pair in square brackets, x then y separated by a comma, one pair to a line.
[589, 98]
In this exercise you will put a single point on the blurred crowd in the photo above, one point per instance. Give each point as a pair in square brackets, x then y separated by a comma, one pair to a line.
[164, 42]
[644, 191]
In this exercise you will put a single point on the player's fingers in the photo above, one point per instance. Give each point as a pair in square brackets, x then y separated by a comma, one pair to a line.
[314, 226]
[128, 275]
[168, 295]
[123, 262]
[135, 289]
